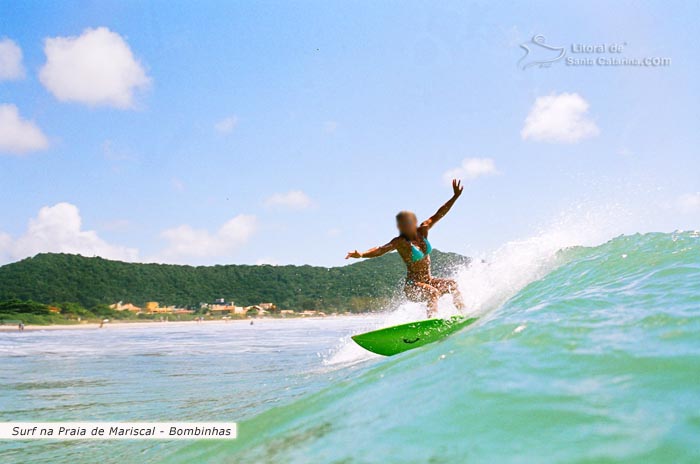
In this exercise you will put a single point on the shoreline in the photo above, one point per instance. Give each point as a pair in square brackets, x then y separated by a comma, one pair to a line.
[143, 324]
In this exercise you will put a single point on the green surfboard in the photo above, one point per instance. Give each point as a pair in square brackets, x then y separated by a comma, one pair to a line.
[399, 338]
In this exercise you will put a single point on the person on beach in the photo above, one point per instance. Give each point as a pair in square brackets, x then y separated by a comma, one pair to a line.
[414, 248]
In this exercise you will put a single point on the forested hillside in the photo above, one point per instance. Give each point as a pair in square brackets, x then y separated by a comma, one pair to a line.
[52, 278]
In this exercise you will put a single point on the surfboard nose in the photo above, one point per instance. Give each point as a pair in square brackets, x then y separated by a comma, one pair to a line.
[399, 338]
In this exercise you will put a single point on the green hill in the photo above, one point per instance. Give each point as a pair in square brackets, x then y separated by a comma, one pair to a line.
[49, 278]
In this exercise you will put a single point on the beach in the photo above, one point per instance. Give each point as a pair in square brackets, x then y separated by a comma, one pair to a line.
[148, 324]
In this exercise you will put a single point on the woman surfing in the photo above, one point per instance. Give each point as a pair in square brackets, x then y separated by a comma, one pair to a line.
[414, 248]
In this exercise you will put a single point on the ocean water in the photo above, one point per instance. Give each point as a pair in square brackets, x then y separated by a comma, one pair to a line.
[581, 354]
[194, 372]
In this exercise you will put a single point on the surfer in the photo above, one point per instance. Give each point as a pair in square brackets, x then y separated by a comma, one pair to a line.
[414, 248]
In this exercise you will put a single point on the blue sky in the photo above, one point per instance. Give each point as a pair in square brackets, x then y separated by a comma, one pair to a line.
[245, 132]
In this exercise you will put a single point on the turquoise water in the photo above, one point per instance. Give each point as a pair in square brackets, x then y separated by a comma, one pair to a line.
[585, 354]
[596, 361]
[200, 372]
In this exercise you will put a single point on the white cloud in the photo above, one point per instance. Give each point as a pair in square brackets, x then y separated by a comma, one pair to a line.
[267, 260]
[689, 203]
[226, 125]
[294, 199]
[471, 168]
[559, 118]
[10, 61]
[187, 243]
[58, 229]
[96, 68]
[17, 135]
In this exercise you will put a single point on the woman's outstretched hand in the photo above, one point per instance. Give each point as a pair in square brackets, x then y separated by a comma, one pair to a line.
[457, 187]
[353, 254]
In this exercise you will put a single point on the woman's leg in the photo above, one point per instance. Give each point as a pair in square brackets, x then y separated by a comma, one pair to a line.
[451, 287]
[418, 291]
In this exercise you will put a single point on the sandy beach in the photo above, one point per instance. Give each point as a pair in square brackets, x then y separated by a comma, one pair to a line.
[144, 324]
[112, 325]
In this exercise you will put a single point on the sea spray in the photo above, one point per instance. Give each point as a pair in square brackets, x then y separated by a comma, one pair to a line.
[494, 277]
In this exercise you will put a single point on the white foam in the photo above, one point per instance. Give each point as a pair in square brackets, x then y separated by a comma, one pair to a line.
[491, 280]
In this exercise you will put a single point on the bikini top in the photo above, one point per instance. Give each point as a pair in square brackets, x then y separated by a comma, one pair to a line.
[416, 253]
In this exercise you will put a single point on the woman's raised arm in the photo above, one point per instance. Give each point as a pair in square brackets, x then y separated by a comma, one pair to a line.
[444, 209]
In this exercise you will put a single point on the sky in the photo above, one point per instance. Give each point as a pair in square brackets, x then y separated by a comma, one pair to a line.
[291, 132]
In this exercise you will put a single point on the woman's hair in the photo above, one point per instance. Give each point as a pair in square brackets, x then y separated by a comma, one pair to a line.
[406, 214]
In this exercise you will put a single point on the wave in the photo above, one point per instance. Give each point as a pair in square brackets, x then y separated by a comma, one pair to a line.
[582, 353]
[493, 278]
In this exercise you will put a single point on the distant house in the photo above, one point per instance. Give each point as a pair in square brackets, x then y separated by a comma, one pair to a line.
[255, 310]
[222, 307]
[152, 307]
[54, 309]
[271, 307]
[125, 307]
[239, 310]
